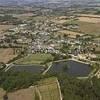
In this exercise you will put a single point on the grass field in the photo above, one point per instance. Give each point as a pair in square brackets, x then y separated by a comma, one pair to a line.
[35, 58]
[6, 54]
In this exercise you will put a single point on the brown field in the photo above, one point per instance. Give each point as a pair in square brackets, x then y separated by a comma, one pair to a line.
[70, 34]
[5, 27]
[89, 28]
[23, 94]
[6, 54]
[89, 19]
[23, 16]
[89, 15]
[60, 21]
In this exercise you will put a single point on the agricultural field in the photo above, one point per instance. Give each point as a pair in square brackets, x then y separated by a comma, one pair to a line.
[23, 16]
[6, 55]
[89, 19]
[89, 28]
[70, 34]
[23, 94]
[34, 59]
[89, 24]
[49, 89]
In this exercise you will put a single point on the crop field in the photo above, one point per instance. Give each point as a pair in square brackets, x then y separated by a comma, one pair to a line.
[35, 59]
[6, 54]
[49, 89]
[89, 18]
[84, 27]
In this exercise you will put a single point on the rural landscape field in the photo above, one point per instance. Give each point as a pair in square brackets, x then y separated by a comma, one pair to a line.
[50, 50]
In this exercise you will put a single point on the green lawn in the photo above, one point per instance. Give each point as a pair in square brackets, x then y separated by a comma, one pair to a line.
[35, 59]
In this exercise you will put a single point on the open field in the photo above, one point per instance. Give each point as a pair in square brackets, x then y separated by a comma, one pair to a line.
[35, 59]
[85, 27]
[88, 24]
[89, 15]
[46, 89]
[70, 34]
[23, 16]
[5, 27]
[23, 94]
[59, 21]
[6, 54]
[49, 89]
[89, 28]
[89, 19]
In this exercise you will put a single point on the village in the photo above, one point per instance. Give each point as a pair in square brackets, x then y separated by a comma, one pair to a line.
[46, 36]
[49, 50]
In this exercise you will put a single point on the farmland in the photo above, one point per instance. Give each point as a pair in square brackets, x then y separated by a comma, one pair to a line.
[89, 28]
[48, 89]
[89, 19]
[89, 24]
[85, 24]
[25, 94]
[6, 54]
[70, 34]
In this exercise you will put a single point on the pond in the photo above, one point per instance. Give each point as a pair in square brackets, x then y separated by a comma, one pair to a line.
[71, 67]
[35, 69]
